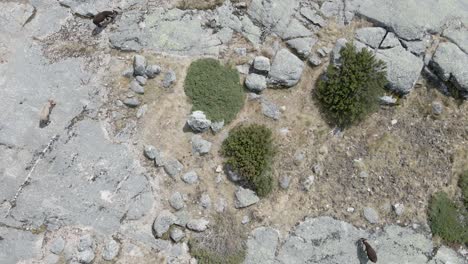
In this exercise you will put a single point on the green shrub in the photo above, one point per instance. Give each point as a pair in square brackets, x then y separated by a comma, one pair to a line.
[214, 89]
[463, 184]
[349, 92]
[446, 220]
[249, 151]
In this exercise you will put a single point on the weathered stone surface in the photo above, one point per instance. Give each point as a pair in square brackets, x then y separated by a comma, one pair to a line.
[198, 122]
[205, 200]
[141, 80]
[169, 79]
[261, 246]
[57, 245]
[128, 73]
[182, 218]
[261, 64]
[152, 71]
[86, 256]
[111, 250]
[139, 65]
[271, 110]
[286, 69]
[150, 152]
[371, 215]
[173, 167]
[390, 41]
[302, 46]
[284, 182]
[412, 19]
[162, 223]
[255, 82]
[200, 146]
[403, 68]
[418, 47]
[245, 198]
[136, 87]
[177, 234]
[314, 60]
[131, 102]
[294, 29]
[449, 63]
[198, 225]
[177, 201]
[388, 100]
[86, 241]
[190, 177]
[272, 14]
[313, 16]
[217, 126]
[335, 53]
[371, 36]
[399, 209]
[458, 35]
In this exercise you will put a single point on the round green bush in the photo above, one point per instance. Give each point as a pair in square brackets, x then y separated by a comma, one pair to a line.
[350, 91]
[249, 151]
[214, 89]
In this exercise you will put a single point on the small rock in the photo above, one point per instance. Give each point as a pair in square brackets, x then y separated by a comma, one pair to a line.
[182, 218]
[131, 102]
[245, 198]
[317, 169]
[363, 174]
[302, 46]
[111, 250]
[371, 215]
[128, 73]
[245, 219]
[394, 122]
[152, 71]
[150, 152]
[177, 234]
[388, 100]
[163, 222]
[136, 87]
[219, 169]
[139, 65]
[141, 80]
[159, 160]
[371, 36]
[339, 45]
[241, 51]
[261, 64]
[308, 182]
[173, 167]
[169, 79]
[314, 60]
[254, 96]
[200, 146]
[86, 241]
[217, 126]
[198, 122]
[232, 175]
[86, 256]
[255, 82]
[437, 108]
[286, 69]
[299, 158]
[399, 209]
[142, 111]
[177, 201]
[243, 69]
[221, 205]
[205, 201]
[57, 245]
[350, 210]
[198, 225]
[284, 182]
[270, 110]
[190, 177]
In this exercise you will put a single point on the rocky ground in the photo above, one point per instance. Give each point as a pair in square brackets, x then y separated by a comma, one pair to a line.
[117, 165]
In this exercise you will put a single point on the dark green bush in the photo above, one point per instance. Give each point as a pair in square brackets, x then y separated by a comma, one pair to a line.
[445, 219]
[249, 151]
[463, 184]
[214, 89]
[349, 92]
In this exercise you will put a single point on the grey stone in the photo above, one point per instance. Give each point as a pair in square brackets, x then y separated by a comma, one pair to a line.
[128, 73]
[86, 256]
[458, 35]
[139, 65]
[284, 182]
[150, 152]
[255, 82]
[313, 17]
[245, 220]
[308, 182]
[57, 245]
[243, 69]
[216, 127]
[269, 109]
[390, 41]
[163, 222]
[141, 80]
[250, 31]
[405, 17]
[286, 69]
[205, 200]
[245, 198]
[241, 51]
[335, 53]
[273, 14]
[399, 209]
[190, 177]
[295, 29]
[177, 234]
[261, 64]
[314, 60]
[302, 46]
[177, 201]
[198, 225]
[142, 111]
[437, 108]
[449, 63]
[86, 241]
[152, 71]
[111, 250]
[371, 215]
[231, 174]
[403, 68]
[131, 102]
[159, 159]
[200, 146]
[371, 36]
[388, 100]
[446, 255]
[261, 246]
[169, 79]
[418, 47]
[17, 246]
[198, 122]
[173, 167]
[254, 96]
[136, 87]
[182, 218]
[140, 206]
[221, 205]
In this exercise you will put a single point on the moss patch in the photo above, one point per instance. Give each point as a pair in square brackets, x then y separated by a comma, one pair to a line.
[214, 89]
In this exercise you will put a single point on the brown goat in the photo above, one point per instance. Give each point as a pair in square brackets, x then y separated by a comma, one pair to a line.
[371, 254]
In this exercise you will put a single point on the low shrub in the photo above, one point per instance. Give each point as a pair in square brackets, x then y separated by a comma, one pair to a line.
[463, 184]
[349, 92]
[214, 89]
[249, 151]
[446, 220]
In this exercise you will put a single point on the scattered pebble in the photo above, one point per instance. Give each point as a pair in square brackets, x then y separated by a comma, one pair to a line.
[284, 182]
[190, 177]
[177, 234]
[111, 250]
[198, 225]
[399, 209]
[57, 245]
[437, 108]
[371, 215]
[205, 201]
[350, 210]
[177, 201]
[245, 219]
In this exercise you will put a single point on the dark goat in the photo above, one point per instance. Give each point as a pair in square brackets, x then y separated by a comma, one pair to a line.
[371, 254]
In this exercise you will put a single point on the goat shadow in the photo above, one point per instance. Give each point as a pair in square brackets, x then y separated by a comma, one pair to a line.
[361, 253]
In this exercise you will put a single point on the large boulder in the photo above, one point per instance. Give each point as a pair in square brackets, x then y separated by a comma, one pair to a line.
[459, 36]
[286, 69]
[255, 82]
[450, 64]
[302, 46]
[163, 222]
[371, 36]
[261, 246]
[198, 122]
[200, 146]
